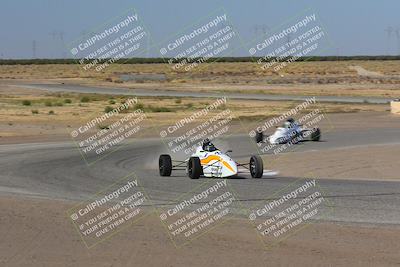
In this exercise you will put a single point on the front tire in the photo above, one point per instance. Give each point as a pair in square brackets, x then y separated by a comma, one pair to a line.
[165, 165]
[316, 134]
[259, 138]
[256, 166]
[194, 168]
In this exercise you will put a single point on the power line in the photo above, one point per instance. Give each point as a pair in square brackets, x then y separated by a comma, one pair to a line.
[260, 28]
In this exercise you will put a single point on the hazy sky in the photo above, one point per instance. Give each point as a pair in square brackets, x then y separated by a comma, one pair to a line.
[355, 27]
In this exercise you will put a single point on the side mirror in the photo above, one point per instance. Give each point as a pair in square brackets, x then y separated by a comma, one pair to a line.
[229, 151]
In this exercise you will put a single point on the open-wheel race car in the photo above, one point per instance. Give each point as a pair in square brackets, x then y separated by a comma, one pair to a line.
[208, 161]
[290, 131]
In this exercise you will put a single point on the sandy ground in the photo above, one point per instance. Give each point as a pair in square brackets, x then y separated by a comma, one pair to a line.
[363, 72]
[38, 233]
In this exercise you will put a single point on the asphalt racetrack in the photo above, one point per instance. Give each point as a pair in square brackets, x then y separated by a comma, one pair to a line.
[57, 171]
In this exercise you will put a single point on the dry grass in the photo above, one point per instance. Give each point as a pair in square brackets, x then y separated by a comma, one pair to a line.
[303, 78]
[17, 119]
[49, 112]
[203, 73]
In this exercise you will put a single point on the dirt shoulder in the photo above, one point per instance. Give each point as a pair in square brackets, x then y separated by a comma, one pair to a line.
[38, 233]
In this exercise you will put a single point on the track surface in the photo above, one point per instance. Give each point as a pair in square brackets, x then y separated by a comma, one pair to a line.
[57, 170]
[172, 93]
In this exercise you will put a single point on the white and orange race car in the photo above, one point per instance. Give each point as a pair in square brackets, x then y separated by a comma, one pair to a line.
[208, 161]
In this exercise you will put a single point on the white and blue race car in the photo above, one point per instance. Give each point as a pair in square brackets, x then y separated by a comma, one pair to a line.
[289, 132]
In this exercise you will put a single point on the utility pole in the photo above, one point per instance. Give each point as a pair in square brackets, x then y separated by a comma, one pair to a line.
[58, 38]
[262, 28]
[61, 34]
[148, 44]
[255, 29]
[389, 31]
[33, 49]
[397, 32]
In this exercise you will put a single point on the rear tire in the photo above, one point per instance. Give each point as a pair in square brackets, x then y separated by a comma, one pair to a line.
[259, 137]
[316, 134]
[256, 166]
[165, 165]
[194, 169]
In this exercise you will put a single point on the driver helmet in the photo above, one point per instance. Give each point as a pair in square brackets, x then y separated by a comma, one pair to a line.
[207, 145]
